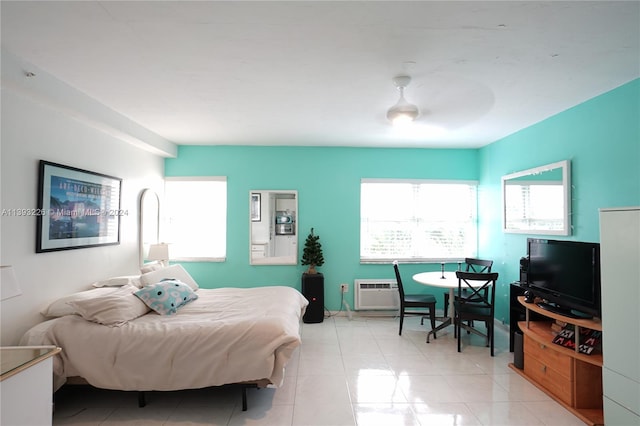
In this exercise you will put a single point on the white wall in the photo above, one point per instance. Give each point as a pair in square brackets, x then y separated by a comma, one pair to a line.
[33, 130]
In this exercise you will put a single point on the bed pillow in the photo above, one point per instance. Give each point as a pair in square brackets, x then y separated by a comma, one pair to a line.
[119, 281]
[113, 309]
[150, 267]
[167, 296]
[174, 272]
[60, 307]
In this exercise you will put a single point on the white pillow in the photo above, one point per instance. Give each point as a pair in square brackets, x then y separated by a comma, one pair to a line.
[150, 267]
[113, 309]
[60, 307]
[119, 281]
[175, 272]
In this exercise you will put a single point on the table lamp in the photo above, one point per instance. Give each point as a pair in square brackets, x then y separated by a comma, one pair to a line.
[159, 252]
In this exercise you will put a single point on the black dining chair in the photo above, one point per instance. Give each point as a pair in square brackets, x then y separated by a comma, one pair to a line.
[415, 304]
[471, 265]
[479, 305]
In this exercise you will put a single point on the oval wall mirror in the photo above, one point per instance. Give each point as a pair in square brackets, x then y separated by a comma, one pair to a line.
[538, 200]
[273, 227]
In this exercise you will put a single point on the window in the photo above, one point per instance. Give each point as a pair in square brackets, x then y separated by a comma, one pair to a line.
[195, 218]
[417, 221]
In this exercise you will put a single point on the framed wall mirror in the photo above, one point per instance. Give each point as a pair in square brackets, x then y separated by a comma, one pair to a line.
[538, 200]
[273, 227]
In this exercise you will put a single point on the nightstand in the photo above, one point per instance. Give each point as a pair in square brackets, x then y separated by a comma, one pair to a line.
[26, 385]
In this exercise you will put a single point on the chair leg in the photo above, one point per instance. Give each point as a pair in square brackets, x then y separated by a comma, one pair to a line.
[487, 325]
[401, 321]
[457, 328]
[446, 304]
[491, 339]
[432, 316]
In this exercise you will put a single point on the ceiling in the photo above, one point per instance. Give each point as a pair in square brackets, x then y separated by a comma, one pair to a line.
[320, 73]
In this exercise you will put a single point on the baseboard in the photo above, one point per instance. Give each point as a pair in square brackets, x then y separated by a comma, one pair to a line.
[501, 325]
[343, 313]
[394, 314]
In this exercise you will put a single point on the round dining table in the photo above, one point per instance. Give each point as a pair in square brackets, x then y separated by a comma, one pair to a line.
[441, 279]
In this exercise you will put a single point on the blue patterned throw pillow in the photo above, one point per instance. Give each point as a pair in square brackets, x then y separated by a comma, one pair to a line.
[167, 296]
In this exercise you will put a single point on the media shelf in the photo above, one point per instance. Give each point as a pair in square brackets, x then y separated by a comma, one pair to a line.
[561, 311]
[572, 378]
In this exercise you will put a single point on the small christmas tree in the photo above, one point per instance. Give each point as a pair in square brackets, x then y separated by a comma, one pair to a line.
[312, 253]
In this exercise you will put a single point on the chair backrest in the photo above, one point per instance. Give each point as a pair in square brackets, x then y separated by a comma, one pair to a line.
[399, 281]
[479, 286]
[478, 265]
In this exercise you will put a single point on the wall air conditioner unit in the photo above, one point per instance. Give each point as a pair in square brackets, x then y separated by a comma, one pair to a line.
[376, 295]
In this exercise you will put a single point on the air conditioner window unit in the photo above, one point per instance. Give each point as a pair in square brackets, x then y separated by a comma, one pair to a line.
[376, 294]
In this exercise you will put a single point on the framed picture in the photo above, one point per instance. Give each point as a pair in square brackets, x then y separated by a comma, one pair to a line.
[76, 208]
[255, 206]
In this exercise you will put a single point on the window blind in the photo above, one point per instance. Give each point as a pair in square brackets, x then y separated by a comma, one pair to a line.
[195, 218]
[417, 221]
[537, 206]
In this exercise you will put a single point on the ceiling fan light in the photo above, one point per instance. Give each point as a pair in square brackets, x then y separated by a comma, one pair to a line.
[402, 112]
[402, 119]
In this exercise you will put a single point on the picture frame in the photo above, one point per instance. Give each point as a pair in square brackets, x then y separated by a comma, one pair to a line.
[76, 208]
[256, 206]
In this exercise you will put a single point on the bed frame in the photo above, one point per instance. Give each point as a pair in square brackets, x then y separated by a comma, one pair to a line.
[142, 395]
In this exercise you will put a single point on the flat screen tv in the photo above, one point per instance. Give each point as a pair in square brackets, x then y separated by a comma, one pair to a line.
[566, 275]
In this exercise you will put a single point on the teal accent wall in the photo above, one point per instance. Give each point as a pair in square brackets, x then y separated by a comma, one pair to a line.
[328, 183]
[601, 137]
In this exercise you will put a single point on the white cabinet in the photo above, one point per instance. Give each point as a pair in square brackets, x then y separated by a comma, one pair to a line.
[258, 251]
[286, 245]
[620, 263]
[26, 386]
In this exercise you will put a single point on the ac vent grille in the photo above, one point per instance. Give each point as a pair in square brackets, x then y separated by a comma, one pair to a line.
[376, 294]
[376, 285]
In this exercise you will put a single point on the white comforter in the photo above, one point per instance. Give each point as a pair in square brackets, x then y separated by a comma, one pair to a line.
[227, 335]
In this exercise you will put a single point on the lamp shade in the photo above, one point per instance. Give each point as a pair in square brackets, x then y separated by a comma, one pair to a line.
[9, 286]
[159, 252]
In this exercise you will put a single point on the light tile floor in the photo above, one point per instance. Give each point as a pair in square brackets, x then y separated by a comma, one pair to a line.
[357, 372]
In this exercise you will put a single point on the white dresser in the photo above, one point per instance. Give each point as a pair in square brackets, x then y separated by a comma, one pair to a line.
[620, 260]
[26, 385]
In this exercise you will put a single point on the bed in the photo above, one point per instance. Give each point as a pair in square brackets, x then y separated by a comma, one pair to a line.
[224, 336]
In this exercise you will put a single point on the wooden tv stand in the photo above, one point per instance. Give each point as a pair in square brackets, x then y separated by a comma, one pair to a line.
[573, 379]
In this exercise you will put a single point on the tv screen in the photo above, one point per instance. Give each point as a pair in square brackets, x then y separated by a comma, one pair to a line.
[566, 274]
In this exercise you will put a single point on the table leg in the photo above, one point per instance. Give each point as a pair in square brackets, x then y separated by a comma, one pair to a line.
[446, 321]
